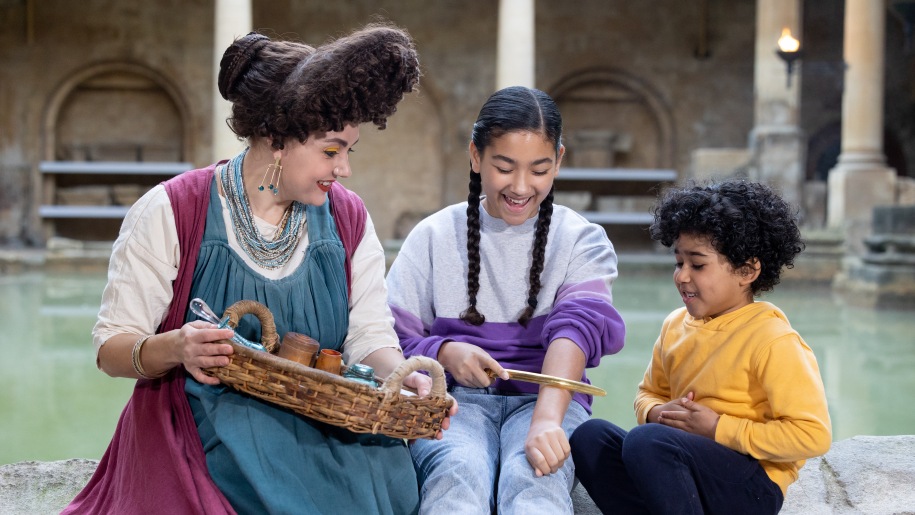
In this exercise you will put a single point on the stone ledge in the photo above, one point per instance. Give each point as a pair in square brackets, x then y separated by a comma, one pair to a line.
[860, 475]
[38, 487]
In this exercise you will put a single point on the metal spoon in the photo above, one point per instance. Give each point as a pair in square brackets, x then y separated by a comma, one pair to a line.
[201, 309]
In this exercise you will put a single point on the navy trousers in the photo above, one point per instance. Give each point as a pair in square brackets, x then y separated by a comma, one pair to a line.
[661, 470]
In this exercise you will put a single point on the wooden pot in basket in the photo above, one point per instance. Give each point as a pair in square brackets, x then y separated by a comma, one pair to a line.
[328, 397]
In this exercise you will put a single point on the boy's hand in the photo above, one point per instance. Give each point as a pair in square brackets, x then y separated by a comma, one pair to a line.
[656, 411]
[690, 416]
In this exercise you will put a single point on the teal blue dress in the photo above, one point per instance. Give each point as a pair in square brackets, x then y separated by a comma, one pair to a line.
[266, 459]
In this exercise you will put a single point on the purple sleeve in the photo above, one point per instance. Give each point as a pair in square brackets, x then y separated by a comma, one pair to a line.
[589, 320]
[414, 339]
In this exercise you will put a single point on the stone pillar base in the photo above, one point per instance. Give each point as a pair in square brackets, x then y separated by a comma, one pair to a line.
[777, 157]
[854, 191]
[905, 191]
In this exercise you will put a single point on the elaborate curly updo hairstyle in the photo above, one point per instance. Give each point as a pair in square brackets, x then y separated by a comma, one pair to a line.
[742, 220]
[513, 109]
[284, 89]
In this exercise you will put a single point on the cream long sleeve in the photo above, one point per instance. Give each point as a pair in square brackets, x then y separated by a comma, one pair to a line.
[144, 262]
[756, 372]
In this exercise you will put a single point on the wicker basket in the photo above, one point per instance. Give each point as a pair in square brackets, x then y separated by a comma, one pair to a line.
[328, 397]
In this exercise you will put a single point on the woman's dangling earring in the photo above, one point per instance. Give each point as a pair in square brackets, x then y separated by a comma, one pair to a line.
[264, 178]
[278, 168]
[275, 171]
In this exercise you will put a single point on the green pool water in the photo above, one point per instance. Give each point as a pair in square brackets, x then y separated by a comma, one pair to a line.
[55, 404]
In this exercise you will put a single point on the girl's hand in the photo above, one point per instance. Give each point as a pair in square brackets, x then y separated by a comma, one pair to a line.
[195, 349]
[546, 447]
[690, 416]
[468, 363]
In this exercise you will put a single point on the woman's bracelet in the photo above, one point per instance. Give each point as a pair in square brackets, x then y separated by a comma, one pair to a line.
[135, 357]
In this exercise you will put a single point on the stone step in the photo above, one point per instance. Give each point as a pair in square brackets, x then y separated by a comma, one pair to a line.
[859, 475]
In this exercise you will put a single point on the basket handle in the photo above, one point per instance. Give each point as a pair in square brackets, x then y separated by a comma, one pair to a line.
[269, 337]
[394, 382]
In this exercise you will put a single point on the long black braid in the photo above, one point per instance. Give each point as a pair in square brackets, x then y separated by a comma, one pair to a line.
[471, 315]
[539, 253]
[511, 109]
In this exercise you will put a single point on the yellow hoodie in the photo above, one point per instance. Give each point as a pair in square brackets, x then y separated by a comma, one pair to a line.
[756, 372]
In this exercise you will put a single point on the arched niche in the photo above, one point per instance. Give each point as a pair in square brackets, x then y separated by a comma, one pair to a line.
[620, 108]
[117, 111]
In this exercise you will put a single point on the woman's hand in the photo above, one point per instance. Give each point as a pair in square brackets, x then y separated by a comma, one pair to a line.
[446, 423]
[546, 447]
[196, 349]
[419, 382]
[423, 385]
[468, 363]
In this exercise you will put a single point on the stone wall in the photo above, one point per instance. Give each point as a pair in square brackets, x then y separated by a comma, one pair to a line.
[861, 475]
[673, 78]
[14, 204]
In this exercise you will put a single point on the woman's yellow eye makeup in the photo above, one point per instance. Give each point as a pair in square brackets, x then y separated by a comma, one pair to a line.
[333, 151]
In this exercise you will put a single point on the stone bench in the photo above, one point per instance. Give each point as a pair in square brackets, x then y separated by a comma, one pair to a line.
[860, 475]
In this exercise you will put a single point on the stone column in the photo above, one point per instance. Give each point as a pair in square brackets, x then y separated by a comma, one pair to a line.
[777, 146]
[861, 180]
[232, 19]
[515, 51]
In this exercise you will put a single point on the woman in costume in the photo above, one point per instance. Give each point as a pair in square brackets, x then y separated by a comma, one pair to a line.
[271, 225]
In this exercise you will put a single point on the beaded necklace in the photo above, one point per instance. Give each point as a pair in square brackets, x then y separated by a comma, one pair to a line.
[270, 254]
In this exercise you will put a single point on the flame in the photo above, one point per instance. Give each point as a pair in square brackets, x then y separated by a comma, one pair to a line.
[786, 43]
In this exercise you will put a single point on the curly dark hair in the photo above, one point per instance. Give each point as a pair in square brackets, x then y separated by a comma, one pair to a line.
[742, 220]
[285, 89]
[512, 109]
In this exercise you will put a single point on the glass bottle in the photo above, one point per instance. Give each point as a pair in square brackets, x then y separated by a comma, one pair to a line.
[362, 373]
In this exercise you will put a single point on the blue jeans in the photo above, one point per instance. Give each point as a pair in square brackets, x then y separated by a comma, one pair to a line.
[658, 469]
[480, 464]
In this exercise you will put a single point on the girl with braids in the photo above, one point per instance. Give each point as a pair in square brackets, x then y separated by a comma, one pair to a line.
[732, 403]
[271, 225]
[507, 279]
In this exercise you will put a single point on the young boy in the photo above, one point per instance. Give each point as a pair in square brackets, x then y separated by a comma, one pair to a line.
[732, 403]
